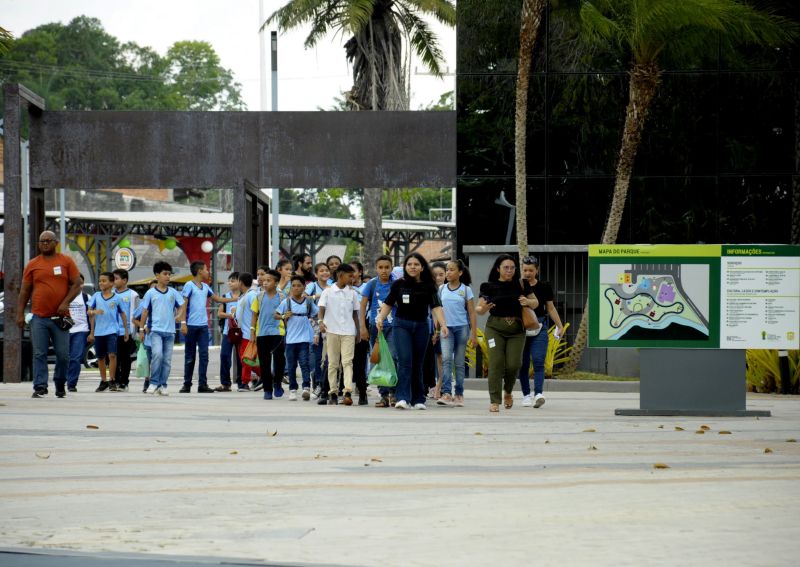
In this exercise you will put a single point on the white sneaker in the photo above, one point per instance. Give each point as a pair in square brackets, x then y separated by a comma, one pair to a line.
[420, 406]
[292, 395]
[538, 401]
[162, 391]
[526, 401]
[401, 404]
[151, 389]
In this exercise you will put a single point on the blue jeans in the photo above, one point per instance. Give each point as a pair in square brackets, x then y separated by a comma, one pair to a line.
[43, 330]
[536, 350]
[454, 351]
[196, 336]
[319, 364]
[77, 345]
[373, 337]
[411, 340]
[161, 344]
[225, 359]
[298, 353]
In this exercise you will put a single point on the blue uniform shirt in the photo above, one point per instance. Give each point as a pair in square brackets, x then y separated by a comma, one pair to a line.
[161, 307]
[298, 327]
[454, 303]
[376, 293]
[129, 299]
[197, 296]
[266, 306]
[105, 324]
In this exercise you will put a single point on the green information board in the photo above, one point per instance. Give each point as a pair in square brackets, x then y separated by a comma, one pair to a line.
[694, 296]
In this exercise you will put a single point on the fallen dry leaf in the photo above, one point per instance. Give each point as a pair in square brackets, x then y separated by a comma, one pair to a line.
[705, 428]
[701, 431]
[43, 455]
[374, 460]
[592, 448]
[678, 428]
[768, 450]
[547, 441]
[234, 453]
[160, 441]
[725, 432]
[590, 430]
[92, 427]
[272, 433]
[661, 466]
[478, 433]
[366, 464]
[661, 427]
[791, 440]
[318, 456]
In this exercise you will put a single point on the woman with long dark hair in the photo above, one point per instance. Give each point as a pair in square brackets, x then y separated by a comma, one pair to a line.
[503, 297]
[416, 297]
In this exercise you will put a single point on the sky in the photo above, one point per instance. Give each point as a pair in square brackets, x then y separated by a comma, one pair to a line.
[307, 78]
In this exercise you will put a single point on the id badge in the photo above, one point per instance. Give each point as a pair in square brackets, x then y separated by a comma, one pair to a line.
[57, 270]
[492, 343]
[406, 298]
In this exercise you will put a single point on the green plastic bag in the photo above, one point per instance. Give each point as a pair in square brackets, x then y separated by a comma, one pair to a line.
[384, 373]
[142, 364]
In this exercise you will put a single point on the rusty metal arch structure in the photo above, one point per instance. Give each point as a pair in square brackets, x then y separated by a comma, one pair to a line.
[238, 150]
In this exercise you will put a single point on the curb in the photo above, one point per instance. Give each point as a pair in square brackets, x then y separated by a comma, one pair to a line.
[554, 385]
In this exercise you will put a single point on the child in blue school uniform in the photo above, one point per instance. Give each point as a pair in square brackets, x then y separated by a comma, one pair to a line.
[159, 309]
[296, 312]
[105, 311]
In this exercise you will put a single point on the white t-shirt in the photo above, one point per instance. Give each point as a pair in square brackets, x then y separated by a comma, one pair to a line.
[77, 310]
[339, 304]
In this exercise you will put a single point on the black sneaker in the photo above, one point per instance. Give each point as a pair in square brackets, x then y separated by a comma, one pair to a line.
[204, 389]
[112, 387]
[185, 390]
[333, 400]
[61, 393]
[146, 385]
[259, 385]
[122, 387]
[323, 401]
[39, 393]
[222, 388]
[102, 387]
[72, 389]
[362, 400]
[244, 387]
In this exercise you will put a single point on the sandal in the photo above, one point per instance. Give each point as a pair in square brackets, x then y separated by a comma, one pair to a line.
[382, 403]
[494, 408]
[508, 400]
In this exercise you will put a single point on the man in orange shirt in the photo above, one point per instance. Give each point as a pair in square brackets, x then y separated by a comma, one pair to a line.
[50, 281]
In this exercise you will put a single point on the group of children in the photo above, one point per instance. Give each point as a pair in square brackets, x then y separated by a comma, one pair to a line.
[322, 328]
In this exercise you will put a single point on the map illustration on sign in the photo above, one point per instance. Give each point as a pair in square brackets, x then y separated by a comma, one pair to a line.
[654, 301]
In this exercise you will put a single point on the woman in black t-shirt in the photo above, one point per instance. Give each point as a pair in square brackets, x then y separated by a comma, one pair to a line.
[503, 296]
[415, 296]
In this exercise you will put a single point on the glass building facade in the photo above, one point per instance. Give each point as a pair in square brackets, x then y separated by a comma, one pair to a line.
[718, 160]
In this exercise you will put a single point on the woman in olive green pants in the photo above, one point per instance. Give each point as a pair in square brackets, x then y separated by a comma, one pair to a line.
[503, 296]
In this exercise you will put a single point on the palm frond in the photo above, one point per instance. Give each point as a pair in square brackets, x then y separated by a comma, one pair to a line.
[422, 40]
[356, 14]
[295, 13]
[443, 10]
[597, 27]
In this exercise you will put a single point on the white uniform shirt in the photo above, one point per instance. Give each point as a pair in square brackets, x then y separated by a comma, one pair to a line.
[339, 304]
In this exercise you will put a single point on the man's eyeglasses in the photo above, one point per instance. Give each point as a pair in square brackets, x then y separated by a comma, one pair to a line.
[47, 241]
[531, 261]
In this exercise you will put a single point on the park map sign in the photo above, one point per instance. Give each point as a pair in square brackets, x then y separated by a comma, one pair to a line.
[694, 296]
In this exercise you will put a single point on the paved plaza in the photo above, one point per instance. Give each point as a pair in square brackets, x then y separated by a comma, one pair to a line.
[230, 477]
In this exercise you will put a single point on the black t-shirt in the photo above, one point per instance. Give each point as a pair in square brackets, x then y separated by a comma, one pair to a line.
[505, 296]
[544, 293]
[413, 299]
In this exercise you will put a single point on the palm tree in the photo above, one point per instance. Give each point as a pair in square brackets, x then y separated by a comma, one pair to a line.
[530, 20]
[652, 33]
[378, 30]
[6, 37]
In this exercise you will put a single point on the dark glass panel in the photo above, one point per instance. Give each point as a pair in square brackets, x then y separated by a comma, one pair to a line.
[755, 210]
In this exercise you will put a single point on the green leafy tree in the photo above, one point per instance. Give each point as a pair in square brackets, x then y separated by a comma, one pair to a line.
[377, 30]
[80, 66]
[650, 34]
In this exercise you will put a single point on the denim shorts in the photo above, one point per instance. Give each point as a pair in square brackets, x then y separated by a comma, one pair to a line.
[107, 344]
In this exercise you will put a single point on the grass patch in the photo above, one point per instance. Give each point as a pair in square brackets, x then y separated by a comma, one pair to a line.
[595, 376]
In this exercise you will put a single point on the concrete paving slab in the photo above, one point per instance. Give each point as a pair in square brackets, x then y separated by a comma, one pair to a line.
[233, 476]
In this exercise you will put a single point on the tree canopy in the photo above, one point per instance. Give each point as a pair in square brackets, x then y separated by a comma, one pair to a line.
[80, 66]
